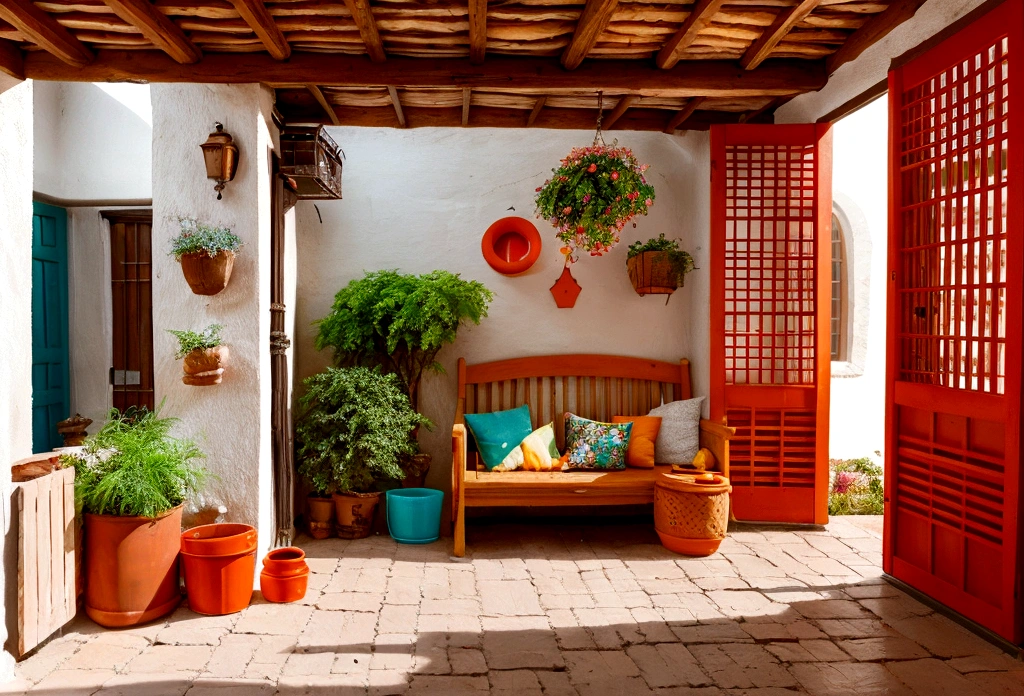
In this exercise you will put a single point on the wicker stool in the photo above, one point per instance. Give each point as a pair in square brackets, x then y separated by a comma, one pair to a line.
[690, 515]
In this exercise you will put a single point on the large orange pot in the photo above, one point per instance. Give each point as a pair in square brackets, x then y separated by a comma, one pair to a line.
[131, 568]
[219, 565]
[354, 513]
[205, 274]
[691, 513]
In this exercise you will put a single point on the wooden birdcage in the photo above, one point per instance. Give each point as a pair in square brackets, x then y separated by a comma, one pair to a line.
[312, 162]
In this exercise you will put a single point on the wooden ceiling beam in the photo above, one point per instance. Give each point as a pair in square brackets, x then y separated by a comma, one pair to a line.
[770, 37]
[477, 31]
[537, 107]
[683, 114]
[708, 78]
[396, 102]
[363, 16]
[12, 61]
[43, 30]
[871, 31]
[699, 18]
[318, 94]
[770, 106]
[466, 95]
[595, 17]
[620, 109]
[256, 15]
[158, 28]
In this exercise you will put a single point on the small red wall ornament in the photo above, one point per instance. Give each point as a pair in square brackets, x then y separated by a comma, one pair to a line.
[566, 289]
[511, 245]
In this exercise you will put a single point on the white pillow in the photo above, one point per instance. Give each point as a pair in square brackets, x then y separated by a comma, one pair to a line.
[679, 436]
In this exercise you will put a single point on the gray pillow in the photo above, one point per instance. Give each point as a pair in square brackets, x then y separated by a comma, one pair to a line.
[679, 436]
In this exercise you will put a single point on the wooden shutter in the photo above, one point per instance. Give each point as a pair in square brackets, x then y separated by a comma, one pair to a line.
[954, 311]
[771, 213]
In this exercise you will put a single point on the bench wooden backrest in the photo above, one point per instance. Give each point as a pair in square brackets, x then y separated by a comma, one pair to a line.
[592, 386]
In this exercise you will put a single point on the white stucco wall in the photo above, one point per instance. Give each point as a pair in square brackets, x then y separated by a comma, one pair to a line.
[421, 199]
[231, 419]
[93, 141]
[16, 319]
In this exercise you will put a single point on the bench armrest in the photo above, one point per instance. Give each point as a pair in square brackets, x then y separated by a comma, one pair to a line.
[715, 437]
[458, 487]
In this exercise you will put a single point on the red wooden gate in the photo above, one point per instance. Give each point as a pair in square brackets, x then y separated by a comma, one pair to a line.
[954, 311]
[771, 211]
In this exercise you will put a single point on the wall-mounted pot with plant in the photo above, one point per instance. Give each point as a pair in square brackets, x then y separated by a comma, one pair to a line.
[206, 253]
[204, 353]
[355, 428]
[657, 266]
[131, 481]
[399, 322]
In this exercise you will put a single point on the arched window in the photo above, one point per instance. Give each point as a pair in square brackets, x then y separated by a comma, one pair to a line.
[839, 273]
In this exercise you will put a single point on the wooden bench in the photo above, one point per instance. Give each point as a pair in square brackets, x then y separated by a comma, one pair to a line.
[592, 386]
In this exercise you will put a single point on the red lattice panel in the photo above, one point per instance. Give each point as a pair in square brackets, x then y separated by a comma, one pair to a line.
[770, 264]
[954, 133]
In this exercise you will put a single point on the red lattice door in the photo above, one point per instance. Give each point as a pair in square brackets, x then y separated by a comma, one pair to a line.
[954, 312]
[771, 213]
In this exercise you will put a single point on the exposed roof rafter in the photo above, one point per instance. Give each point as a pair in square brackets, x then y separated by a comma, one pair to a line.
[398, 106]
[12, 61]
[700, 17]
[770, 106]
[44, 31]
[536, 111]
[256, 15]
[318, 94]
[363, 16]
[158, 28]
[466, 96]
[611, 119]
[477, 31]
[871, 31]
[683, 114]
[592, 22]
[770, 38]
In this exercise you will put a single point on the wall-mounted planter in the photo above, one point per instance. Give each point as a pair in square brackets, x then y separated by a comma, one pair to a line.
[207, 275]
[511, 245]
[205, 367]
[653, 273]
[566, 290]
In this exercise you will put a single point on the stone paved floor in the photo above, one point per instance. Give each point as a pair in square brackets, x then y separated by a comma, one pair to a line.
[544, 609]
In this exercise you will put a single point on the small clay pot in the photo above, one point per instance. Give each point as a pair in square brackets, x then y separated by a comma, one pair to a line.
[205, 367]
[416, 468]
[205, 274]
[354, 513]
[285, 575]
[320, 512]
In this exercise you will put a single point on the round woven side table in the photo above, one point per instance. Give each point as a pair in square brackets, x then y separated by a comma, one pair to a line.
[691, 515]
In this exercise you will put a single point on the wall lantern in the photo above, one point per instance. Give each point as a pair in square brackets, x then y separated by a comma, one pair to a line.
[221, 157]
[312, 162]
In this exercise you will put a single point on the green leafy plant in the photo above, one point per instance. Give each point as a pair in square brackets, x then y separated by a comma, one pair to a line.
[591, 196]
[201, 237]
[682, 262]
[400, 322]
[134, 467]
[355, 428]
[189, 341]
[855, 487]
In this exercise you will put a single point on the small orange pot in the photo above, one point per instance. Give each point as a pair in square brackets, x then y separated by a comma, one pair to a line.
[691, 513]
[285, 575]
[285, 562]
[321, 516]
[355, 513]
[219, 563]
[205, 274]
[205, 367]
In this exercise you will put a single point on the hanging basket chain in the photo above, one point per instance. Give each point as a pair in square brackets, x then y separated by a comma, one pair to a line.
[598, 137]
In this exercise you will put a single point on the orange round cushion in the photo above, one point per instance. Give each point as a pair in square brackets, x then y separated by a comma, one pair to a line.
[640, 451]
[511, 245]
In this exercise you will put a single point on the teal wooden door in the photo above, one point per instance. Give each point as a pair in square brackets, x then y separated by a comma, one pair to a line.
[51, 395]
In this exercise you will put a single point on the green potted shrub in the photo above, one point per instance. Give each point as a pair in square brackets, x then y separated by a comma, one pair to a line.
[204, 354]
[206, 253]
[400, 322]
[131, 481]
[657, 266]
[355, 427]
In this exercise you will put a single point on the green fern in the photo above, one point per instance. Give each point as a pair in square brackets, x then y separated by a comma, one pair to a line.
[189, 341]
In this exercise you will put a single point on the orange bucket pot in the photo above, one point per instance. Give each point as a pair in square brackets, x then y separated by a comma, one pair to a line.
[691, 513]
[219, 565]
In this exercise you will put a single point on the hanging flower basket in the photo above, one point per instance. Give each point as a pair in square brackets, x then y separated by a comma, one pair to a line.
[591, 196]
[658, 266]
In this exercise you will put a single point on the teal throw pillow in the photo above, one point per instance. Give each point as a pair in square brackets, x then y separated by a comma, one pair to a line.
[499, 433]
[592, 445]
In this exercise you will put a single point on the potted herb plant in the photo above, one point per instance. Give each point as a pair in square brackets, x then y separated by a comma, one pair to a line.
[206, 253]
[657, 266]
[130, 482]
[204, 353]
[355, 427]
[400, 322]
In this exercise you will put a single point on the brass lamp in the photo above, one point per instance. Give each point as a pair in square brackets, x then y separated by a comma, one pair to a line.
[221, 157]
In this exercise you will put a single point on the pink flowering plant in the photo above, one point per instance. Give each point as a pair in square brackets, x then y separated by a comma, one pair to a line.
[592, 195]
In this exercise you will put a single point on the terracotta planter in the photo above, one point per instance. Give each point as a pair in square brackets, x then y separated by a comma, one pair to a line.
[219, 562]
[321, 516]
[205, 367]
[285, 575]
[207, 275]
[354, 513]
[691, 513]
[652, 273]
[131, 568]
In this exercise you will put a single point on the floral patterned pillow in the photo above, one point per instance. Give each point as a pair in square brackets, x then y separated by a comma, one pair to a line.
[591, 445]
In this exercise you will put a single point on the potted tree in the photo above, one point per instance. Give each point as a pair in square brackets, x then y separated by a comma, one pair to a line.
[206, 253]
[130, 482]
[204, 353]
[657, 266]
[356, 426]
[400, 322]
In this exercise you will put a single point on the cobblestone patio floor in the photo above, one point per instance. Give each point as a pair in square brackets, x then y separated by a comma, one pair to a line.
[549, 609]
